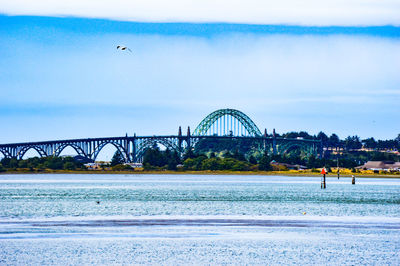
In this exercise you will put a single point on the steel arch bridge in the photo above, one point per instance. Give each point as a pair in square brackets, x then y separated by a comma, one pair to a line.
[224, 124]
[227, 122]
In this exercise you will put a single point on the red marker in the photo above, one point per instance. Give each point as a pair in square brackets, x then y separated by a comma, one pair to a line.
[323, 171]
[323, 181]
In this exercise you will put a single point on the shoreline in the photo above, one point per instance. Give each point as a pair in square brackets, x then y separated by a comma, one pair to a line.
[203, 172]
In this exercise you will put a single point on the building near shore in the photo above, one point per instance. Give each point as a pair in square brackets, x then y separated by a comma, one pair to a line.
[380, 166]
[289, 166]
[93, 166]
[134, 165]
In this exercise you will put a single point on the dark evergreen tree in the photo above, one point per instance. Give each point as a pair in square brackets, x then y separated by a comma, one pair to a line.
[117, 158]
[370, 143]
[69, 166]
[334, 141]
[238, 156]
[312, 162]
[54, 163]
[173, 160]
[352, 142]
[252, 159]
[265, 163]
[227, 154]
[324, 138]
[189, 154]
[6, 162]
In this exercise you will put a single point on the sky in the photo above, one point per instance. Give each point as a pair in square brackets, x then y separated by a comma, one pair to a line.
[313, 66]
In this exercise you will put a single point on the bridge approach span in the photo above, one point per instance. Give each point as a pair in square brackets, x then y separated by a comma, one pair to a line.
[133, 147]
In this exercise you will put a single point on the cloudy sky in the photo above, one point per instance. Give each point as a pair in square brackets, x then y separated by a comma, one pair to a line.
[291, 65]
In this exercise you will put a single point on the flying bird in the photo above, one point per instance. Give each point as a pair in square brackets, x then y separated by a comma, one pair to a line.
[123, 48]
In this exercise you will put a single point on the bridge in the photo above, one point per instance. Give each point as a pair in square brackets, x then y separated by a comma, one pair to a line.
[223, 124]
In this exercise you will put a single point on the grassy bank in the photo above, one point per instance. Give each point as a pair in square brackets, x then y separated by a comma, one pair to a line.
[344, 173]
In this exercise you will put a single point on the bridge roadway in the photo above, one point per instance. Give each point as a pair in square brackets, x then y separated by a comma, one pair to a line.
[133, 147]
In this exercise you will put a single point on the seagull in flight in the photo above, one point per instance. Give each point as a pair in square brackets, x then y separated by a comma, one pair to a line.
[123, 48]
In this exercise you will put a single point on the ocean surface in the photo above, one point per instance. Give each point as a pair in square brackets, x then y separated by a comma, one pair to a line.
[62, 219]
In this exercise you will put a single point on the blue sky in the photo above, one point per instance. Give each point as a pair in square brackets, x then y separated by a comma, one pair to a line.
[62, 77]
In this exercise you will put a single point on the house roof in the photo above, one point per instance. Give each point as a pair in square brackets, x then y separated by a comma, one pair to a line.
[298, 166]
[380, 165]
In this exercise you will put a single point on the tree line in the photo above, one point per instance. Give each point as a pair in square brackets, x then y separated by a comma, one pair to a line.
[155, 159]
[332, 142]
[36, 163]
[349, 143]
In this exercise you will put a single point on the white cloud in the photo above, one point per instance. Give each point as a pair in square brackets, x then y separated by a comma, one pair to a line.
[305, 12]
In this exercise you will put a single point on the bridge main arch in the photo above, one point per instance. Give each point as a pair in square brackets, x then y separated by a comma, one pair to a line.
[78, 149]
[5, 153]
[25, 149]
[119, 147]
[307, 148]
[227, 122]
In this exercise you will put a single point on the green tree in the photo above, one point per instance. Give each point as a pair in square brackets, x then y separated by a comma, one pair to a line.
[312, 162]
[397, 139]
[54, 163]
[189, 164]
[265, 163]
[195, 163]
[172, 162]
[13, 163]
[6, 162]
[323, 137]
[121, 167]
[370, 143]
[41, 166]
[211, 164]
[189, 154]
[301, 134]
[238, 156]
[154, 157]
[33, 162]
[240, 166]
[227, 154]
[352, 142]
[23, 163]
[252, 159]
[334, 141]
[69, 166]
[117, 158]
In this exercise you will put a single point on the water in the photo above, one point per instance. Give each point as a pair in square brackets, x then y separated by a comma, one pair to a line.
[183, 219]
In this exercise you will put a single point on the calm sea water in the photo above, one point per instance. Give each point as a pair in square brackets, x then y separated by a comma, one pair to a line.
[194, 219]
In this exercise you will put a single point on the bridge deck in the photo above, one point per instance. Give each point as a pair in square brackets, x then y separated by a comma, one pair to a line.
[129, 138]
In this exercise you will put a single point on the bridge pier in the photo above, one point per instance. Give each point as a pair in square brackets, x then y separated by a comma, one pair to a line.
[133, 152]
[188, 138]
[274, 142]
